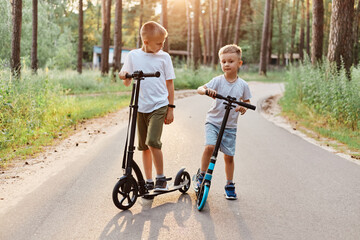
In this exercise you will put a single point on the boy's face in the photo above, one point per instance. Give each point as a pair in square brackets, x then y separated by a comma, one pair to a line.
[154, 44]
[230, 63]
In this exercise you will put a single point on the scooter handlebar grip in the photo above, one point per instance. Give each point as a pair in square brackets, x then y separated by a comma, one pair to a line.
[140, 74]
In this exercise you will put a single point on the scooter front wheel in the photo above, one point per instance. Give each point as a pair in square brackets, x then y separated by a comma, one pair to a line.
[202, 196]
[125, 193]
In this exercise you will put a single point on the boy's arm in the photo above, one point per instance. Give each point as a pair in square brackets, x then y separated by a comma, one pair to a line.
[170, 113]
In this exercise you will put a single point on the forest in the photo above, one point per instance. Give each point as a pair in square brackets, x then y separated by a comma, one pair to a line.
[47, 51]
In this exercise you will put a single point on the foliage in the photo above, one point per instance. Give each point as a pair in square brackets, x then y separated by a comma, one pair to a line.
[35, 110]
[325, 93]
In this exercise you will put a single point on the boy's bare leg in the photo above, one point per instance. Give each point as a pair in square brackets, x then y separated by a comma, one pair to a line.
[229, 167]
[147, 161]
[205, 160]
[157, 156]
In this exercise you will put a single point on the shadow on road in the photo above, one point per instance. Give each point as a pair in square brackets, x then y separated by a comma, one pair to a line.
[126, 225]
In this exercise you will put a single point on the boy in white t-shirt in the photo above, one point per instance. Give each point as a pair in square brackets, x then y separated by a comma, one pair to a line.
[156, 98]
[228, 84]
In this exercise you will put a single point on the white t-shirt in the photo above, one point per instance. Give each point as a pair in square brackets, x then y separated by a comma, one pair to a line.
[153, 91]
[238, 89]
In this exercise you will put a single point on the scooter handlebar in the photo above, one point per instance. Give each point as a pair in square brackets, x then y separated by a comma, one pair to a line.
[233, 100]
[140, 74]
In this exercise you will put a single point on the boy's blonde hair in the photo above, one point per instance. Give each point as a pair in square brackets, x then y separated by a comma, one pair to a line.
[152, 29]
[231, 48]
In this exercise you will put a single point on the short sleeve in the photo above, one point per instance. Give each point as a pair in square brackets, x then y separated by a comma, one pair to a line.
[169, 69]
[247, 93]
[212, 84]
[128, 66]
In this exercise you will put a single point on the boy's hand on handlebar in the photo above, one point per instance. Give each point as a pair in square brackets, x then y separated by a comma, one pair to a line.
[241, 110]
[210, 92]
[122, 75]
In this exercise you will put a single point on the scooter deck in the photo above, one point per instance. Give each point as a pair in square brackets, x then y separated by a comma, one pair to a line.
[171, 188]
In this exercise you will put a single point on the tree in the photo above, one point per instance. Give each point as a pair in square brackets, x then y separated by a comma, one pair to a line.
[308, 27]
[302, 31]
[106, 13]
[356, 34]
[265, 39]
[293, 27]
[237, 22]
[212, 34]
[164, 22]
[189, 24]
[34, 60]
[317, 31]
[281, 50]
[81, 37]
[195, 46]
[341, 33]
[139, 41]
[117, 36]
[16, 37]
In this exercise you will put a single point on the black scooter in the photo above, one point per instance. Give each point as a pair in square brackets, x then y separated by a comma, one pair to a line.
[129, 188]
[204, 188]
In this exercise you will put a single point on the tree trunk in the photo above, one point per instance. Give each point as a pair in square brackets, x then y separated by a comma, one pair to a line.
[308, 27]
[205, 37]
[270, 32]
[341, 37]
[356, 35]
[237, 22]
[117, 37]
[196, 35]
[164, 22]
[293, 27]
[189, 40]
[139, 41]
[317, 31]
[265, 37]
[302, 32]
[105, 37]
[220, 36]
[279, 12]
[34, 59]
[227, 23]
[16, 38]
[213, 34]
[81, 37]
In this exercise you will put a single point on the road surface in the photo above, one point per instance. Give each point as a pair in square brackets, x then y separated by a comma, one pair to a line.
[288, 188]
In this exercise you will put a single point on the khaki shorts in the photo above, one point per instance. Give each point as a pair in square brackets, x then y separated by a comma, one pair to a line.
[150, 126]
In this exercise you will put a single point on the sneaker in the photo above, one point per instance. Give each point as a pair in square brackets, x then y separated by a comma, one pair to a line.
[149, 185]
[161, 184]
[199, 179]
[230, 191]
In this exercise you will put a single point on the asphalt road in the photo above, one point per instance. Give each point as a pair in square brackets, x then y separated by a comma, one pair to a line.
[288, 188]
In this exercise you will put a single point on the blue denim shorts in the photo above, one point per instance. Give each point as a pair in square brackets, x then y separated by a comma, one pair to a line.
[228, 140]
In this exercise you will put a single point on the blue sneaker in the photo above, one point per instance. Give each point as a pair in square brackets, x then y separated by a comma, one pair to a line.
[230, 191]
[199, 178]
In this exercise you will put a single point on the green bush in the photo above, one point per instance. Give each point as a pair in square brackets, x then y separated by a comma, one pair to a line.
[326, 92]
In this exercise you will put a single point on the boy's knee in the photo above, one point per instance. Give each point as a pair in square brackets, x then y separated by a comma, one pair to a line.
[209, 148]
[153, 143]
[228, 159]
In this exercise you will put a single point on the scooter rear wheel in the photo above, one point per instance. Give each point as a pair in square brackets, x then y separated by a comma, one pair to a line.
[125, 193]
[202, 196]
[180, 179]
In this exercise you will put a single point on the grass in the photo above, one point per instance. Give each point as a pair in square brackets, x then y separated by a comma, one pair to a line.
[35, 110]
[325, 102]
